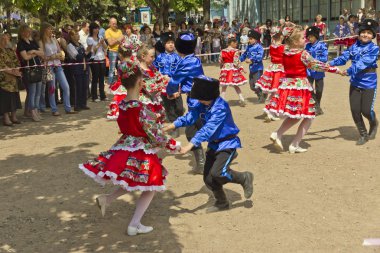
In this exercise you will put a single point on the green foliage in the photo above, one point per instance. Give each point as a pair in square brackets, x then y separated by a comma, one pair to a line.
[185, 5]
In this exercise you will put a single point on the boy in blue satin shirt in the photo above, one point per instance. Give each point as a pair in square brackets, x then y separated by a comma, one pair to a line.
[363, 79]
[166, 62]
[317, 49]
[254, 56]
[220, 131]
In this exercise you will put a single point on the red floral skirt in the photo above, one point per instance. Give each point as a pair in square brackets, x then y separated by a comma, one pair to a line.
[232, 77]
[270, 81]
[293, 103]
[131, 170]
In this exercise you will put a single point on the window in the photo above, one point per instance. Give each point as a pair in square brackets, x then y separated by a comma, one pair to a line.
[275, 11]
[282, 5]
[296, 11]
[289, 9]
[323, 9]
[314, 10]
[263, 10]
[335, 9]
[306, 11]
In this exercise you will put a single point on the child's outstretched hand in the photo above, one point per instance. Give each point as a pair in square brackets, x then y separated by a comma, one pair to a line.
[187, 148]
[248, 61]
[168, 127]
[344, 73]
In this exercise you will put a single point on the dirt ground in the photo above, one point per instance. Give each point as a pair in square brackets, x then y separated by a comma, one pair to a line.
[326, 200]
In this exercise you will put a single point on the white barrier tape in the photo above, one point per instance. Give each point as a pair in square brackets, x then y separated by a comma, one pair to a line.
[198, 55]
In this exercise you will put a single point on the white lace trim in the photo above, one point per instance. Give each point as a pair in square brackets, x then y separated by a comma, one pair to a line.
[234, 84]
[112, 117]
[232, 68]
[118, 93]
[265, 89]
[281, 113]
[100, 179]
[140, 146]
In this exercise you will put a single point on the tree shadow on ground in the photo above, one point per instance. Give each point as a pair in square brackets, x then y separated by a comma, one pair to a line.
[47, 205]
[52, 125]
[348, 133]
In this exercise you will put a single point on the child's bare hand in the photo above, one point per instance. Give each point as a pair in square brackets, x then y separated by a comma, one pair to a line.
[248, 61]
[186, 149]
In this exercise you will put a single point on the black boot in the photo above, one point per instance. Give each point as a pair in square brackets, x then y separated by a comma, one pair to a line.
[221, 202]
[199, 161]
[373, 129]
[245, 179]
[317, 99]
[363, 133]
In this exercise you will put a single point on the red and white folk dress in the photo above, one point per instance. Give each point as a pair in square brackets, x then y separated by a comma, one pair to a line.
[132, 162]
[231, 73]
[272, 76]
[150, 95]
[118, 91]
[294, 96]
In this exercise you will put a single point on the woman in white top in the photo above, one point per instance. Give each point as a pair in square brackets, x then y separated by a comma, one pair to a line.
[53, 58]
[98, 47]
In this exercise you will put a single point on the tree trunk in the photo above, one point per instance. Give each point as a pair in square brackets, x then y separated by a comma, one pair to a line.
[206, 11]
[43, 13]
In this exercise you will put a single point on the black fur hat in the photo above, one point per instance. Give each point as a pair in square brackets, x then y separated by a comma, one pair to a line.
[185, 43]
[254, 34]
[313, 31]
[167, 36]
[205, 88]
[369, 24]
[159, 47]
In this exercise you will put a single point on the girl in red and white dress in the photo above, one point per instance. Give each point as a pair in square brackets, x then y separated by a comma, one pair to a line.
[132, 162]
[294, 96]
[272, 76]
[231, 73]
[154, 83]
[127, 54]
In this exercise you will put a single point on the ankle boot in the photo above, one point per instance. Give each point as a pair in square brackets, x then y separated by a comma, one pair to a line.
[199, 160]
[363, 133]
[221, 202]
[373, 129]
[245, 179]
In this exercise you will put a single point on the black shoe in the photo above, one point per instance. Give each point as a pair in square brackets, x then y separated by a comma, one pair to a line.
[319, 111]
[363, 133]
[248, 185]
[85, 108]
[77, 109]
[373, 129]
[221, 202]
[362, 140]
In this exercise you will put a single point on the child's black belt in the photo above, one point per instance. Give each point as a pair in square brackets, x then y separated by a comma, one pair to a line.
[225, 138]
[369, 70]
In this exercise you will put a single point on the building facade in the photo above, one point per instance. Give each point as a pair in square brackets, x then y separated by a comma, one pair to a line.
[300, 11]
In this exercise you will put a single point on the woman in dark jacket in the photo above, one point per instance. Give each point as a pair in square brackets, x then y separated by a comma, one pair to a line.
[78, 54]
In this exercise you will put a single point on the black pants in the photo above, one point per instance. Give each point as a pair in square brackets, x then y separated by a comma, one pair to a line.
[217, 171]
[317, 94]
[362, 103]
[173, 107]
[98, 71]
[70, 80]
[81, 88]
[267, 42]
[190, 132]
[253, 78]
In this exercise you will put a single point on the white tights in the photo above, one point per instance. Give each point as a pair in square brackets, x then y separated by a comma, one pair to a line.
[237, 89]
[142, 204]
[302, 129]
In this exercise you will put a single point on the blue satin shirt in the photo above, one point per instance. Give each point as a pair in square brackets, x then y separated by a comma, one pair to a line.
[255, 53]
[318, 51]
[217, 124]
[362, 56]
[166, 63]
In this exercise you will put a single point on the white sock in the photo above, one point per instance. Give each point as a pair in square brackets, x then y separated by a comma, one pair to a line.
[241, 97]
[223, 94]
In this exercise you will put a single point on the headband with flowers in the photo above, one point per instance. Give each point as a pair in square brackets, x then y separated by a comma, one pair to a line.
[287, 31]
[231, 36]
[128, 68]
[133, 46]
